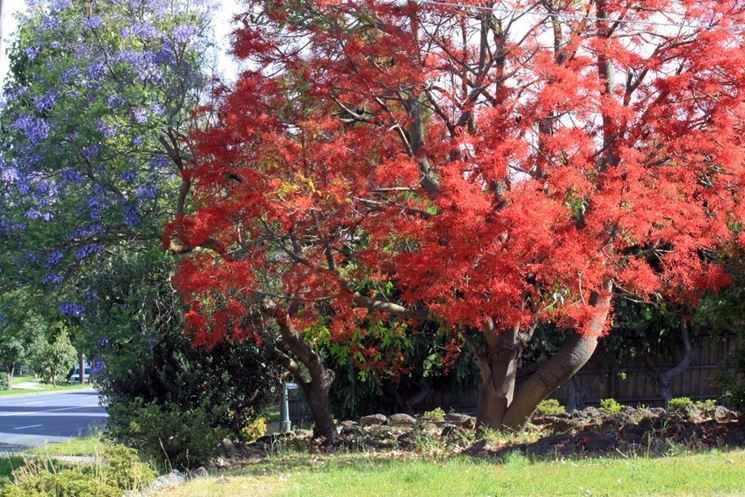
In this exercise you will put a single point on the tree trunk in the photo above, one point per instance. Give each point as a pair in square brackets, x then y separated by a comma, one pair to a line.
[81, 365]
[317, 397]
[498, 366]
[9, 370]
[315, 379]
[499, 405]
[667, 376]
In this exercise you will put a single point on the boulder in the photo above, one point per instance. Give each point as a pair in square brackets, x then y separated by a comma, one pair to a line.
[200, 472]
[401, 419]
[691, 412]
[721, 414]
[462, 420]
[373, 420]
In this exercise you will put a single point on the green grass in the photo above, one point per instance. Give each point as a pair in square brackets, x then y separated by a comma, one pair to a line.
[83, 446]
[7, 465]
[43, 388]
[700, 475]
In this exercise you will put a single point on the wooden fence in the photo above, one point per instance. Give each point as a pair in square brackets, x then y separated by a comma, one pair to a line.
[637, 383]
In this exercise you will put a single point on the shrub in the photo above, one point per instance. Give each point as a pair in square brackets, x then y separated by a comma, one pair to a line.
[550, 407]
[40, 481]
[679, 403]
[171, 436]
[255, 429]
[436, 414]
[122, 468]
[706, 405]
[610, 406]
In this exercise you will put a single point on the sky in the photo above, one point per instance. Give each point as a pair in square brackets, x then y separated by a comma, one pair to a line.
[222, 25]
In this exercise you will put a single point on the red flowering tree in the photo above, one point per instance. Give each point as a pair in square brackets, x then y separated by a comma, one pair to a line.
[502, 163]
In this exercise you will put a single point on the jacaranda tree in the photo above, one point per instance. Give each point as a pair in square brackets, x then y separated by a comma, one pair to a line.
[94, 114]
[501, 163]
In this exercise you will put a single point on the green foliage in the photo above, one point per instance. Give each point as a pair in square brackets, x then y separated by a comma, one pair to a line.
[169, 435]
[255, 429]
[610, 406]
[43, 481]
[137, 332]
[54, 357]
[550, 407]
[436, 414]
[122, 468]
[679, 403]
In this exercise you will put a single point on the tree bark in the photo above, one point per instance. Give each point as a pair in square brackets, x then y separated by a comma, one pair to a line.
[9, 370]
[81, 365]
[315, 379]
[498, 367]
[500, 406]
[667, 376]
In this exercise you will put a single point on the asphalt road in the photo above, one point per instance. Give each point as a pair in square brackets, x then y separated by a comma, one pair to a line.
[32, 420]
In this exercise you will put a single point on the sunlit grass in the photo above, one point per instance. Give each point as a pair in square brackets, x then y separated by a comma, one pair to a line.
[700, 475]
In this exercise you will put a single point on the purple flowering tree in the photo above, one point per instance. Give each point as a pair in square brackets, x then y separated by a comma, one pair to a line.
[94, 116]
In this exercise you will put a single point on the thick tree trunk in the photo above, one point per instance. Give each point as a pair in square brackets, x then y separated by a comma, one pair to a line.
[317, 397]
[500, 406]
[667, 376]
[9, 371]
[498, 366]
[314, 378]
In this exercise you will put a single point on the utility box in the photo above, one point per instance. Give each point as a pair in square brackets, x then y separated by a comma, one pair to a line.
[293, 409]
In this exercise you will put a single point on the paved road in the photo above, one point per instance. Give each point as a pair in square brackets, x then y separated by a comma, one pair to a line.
[31, 420]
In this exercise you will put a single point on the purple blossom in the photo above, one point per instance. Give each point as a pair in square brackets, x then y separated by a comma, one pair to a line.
[9, 174]
[88, 250]
[128, 176]
[32, 52]
[140, 115]
[72, 309]
[184, 32]
[71, 176]
[45, 102]
[33, 213]
[52, 279]
[90, 295]
[138, 140]
[106, 130]
[91, 151]
[54, 258]
[36, 130]
[93, 22]
[145, 192]
[98, 364]
[131, 217]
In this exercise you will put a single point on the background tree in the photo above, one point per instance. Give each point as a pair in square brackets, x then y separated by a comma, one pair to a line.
[503, 164]
[95, 110]
[53, 356]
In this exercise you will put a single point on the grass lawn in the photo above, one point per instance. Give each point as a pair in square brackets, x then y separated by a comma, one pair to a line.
[83, 446]
[19, 389]
[700, 475]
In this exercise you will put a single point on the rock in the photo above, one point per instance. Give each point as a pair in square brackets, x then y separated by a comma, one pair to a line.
[300, 433]
[448, 429]
[401, 419]
[691, 412]
[462, 420]
[227, 446]
[407, 441]
[373, 420]
[599, 441]
[657, 411]
[562, 424]
[351, 429]
[172, 479]
[200, 472]
[721, 414]
[480, 448]
[429, 429]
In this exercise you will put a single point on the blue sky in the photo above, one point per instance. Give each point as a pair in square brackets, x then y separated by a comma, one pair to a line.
[228, 8]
